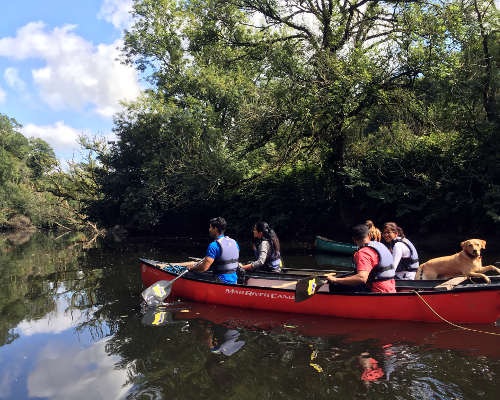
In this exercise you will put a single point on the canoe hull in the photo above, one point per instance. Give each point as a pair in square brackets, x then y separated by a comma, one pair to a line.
[466, 305]
[329, 246]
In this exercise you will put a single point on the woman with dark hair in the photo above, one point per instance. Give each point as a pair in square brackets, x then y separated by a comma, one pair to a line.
[404, 254]
[266, 248]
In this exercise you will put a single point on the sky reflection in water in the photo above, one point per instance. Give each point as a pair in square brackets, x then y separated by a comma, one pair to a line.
[50, 360]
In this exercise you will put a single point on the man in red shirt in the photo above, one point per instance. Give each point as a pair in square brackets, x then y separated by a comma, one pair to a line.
[374, 269]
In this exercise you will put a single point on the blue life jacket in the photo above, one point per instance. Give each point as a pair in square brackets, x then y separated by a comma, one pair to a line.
[384, 270]
[272, 263]
[406, 264]
[227, 262]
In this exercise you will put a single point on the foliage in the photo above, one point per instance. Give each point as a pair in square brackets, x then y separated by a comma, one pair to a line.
[293, 201]
[69, 188]
[22, 163]
[374, 108]
[308, 115]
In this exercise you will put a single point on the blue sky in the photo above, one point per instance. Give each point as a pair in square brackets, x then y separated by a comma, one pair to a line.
[58, 74]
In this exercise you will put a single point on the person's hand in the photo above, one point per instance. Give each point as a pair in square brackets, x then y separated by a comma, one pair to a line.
[331, 279]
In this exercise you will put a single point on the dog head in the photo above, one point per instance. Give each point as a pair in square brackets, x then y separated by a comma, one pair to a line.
[473, 246]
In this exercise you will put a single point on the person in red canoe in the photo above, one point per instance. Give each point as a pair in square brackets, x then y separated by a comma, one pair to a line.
[266, 249]
[222, 254]
[374, 267]
[374, 232]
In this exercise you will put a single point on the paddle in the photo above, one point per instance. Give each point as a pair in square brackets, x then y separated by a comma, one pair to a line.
[307, 288]
[294, 282]
[158, 291]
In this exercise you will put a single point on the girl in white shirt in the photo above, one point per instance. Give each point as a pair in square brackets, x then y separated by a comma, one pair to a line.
[404, 254]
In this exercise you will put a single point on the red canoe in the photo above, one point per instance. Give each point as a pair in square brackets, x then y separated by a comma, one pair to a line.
[468, 303]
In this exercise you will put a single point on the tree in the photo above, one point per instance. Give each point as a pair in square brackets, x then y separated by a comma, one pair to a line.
[245, 88]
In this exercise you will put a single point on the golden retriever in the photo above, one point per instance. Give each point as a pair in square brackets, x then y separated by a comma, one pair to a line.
[467, 262]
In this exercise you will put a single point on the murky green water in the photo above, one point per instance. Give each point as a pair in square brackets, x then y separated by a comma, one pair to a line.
[72, 327]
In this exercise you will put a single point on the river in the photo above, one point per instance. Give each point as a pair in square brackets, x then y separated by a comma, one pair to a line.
[73, 326]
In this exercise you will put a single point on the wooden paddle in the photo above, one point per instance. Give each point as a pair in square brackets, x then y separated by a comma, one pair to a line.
[158, 291]
[294, 282]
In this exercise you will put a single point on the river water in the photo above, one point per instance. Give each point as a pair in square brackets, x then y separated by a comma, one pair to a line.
[73, 326]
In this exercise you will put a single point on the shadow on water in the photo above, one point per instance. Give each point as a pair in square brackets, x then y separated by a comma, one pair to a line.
[72, 326]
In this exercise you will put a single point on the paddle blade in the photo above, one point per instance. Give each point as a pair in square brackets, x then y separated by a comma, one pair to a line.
[157, 292]
[307, 288]
[156, 317]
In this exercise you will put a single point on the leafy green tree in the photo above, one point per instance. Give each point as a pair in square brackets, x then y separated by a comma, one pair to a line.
[242, 90]
[18, 172]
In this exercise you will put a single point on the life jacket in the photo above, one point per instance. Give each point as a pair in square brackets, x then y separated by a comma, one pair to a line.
[406, 264]
[227, 262]
[384, 270]
[272, 263]
[374, 373]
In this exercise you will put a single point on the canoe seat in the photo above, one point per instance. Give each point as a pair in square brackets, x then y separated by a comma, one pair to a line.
[451, 283]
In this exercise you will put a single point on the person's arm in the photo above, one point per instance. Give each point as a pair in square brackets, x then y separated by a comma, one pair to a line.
[365, 260]
[264, 248]
[202, 266]
[397, 253]
[355, 280]
[213, 251]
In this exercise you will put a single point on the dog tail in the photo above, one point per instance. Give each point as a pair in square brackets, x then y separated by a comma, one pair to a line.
[420, 272]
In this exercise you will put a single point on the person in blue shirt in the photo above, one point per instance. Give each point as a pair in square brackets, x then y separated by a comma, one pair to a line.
[222, 254]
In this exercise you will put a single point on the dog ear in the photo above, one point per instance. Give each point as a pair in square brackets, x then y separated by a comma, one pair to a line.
[463, 244]
[483, 243]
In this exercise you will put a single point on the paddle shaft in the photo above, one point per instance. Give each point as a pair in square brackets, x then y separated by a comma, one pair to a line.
[168, 288]
[295, 282]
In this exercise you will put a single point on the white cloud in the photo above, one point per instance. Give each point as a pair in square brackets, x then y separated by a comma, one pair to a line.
[7, 378]
[60, 136]
[62, 372]
[2, 96]
[13, 79]
[55, 322]
[77, 73]
[117, 12]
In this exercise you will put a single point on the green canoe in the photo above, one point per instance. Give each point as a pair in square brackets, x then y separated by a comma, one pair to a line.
[343, 261]
[328, 245]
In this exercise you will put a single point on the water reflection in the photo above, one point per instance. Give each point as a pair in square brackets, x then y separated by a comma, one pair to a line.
[63, 371]
[48, 362]
[392, 358]
[72, 326]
